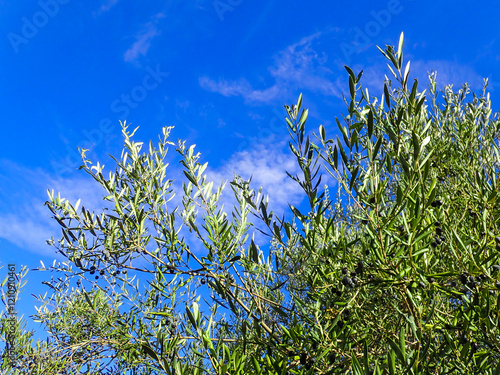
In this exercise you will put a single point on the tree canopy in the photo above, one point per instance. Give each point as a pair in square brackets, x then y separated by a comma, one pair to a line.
[395, 270]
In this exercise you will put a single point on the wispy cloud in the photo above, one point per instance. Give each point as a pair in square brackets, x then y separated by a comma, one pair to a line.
[267, 165]
[448, 73]
[107, 5]
[297, 66]
[240, 88]
[141, 45]
[24, 220]
[143, 40]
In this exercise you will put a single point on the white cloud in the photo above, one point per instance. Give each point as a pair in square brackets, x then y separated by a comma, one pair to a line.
[297, 66]
[143, 39]
[240, 88]
[107, 5]
[24, 220]
[142, 44]
[448, 72]
[267, 165]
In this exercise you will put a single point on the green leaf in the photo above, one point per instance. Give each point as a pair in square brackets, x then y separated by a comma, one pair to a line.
[370, 123]
[234, 259]
[190, 178]
[351, 73]
[253, 252]
[299, 103]
[387, 97]
[400, 49]
[336, 157]
[322, 132]
[191, 318]
[147, 350]
[303, 117]
[377, 147]
[352, 89]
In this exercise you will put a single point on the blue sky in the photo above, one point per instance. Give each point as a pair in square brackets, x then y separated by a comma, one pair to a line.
[219, 71]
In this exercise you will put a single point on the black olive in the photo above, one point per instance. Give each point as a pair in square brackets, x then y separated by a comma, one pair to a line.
[354, 279]
[331, 358]
[303, 358]
[432, 280]
[439, 230]
[401, 228]
[102, 272]
[92, 272]
[475, 346]
[453, 284]
[353, 273]
[472, 279]
[463, 278]
[96, 277]
[367, 251]
[203, 281]
[393, 255]
[437, 224]
[347, 281]
[434, 244]
[92, 268]
[340, 323]
[345, 270]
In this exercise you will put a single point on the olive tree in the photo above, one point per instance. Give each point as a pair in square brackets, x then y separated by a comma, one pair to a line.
[395, 273]
[400, 272]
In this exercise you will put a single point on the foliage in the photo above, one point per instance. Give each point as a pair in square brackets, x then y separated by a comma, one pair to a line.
[396, 274]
